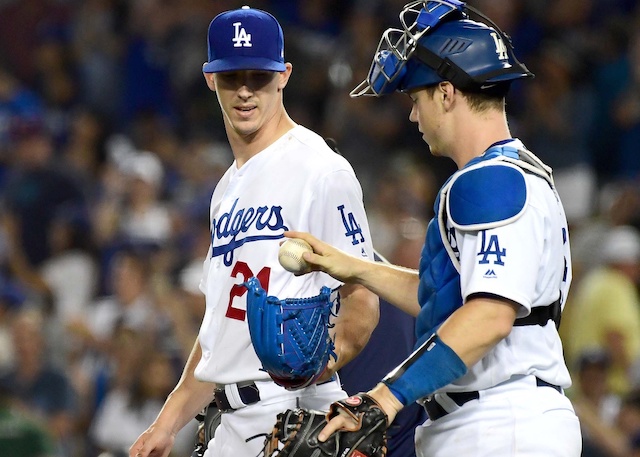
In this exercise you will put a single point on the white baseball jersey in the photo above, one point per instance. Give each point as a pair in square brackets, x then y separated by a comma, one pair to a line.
[527, 261]
[297, 183]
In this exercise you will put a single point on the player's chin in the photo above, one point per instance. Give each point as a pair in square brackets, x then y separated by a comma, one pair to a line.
[433, 150]
[245, 127]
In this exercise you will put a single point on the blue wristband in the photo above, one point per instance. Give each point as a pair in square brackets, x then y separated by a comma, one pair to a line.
[430, 367]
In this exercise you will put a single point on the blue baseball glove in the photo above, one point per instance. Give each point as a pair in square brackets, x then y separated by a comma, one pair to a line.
[290, 335]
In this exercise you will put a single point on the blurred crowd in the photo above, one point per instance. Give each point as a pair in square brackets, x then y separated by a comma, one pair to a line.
[111, 145]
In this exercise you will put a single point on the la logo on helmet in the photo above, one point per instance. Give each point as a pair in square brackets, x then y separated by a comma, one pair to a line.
[501, 48]
[242, 38]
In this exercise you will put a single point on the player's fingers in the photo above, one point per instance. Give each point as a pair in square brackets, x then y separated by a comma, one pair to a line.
[138, 452]
[143, 448]
[324, 256]
[338, 422]
[315, 259]
[317, 245]
[136, 448]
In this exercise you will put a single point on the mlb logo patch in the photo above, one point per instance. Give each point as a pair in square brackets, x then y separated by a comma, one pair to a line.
[490, 273]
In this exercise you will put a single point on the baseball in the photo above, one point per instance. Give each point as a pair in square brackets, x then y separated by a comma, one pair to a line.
[290, 255]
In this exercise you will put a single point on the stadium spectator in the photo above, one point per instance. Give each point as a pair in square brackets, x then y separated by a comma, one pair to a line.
[606, 311]
[21, 435]
[38, 387]
[596, 404]
[141, 381]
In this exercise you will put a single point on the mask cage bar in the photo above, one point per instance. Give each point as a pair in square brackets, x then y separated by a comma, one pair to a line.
[417, 18]
[395, 42]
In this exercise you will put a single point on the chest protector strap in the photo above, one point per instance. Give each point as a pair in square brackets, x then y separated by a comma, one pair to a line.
[540, 315]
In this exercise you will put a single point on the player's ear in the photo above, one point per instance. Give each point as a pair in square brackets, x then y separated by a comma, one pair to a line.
[284, 76]
[208, 77]
[446, 92]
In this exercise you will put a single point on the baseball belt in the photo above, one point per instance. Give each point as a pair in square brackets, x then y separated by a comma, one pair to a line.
[236, 396]
[435, 410]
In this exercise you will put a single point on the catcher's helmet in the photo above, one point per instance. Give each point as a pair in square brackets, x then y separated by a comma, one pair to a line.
[438, 42]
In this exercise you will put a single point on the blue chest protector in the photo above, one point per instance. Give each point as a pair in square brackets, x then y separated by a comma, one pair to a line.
[488, 192]
[485, 193]
[439, 290]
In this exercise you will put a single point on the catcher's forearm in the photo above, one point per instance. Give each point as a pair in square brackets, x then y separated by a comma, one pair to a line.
[460, 342]
[478, 326]
[397, 285]
[358, 317]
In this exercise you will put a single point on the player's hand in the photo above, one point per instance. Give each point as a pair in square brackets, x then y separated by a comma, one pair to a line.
[327, 258]
[340, 422]
[381, 394]
[154, 442]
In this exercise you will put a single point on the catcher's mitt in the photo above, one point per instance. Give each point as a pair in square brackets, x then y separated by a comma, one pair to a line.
[291, 335]
[295, 433]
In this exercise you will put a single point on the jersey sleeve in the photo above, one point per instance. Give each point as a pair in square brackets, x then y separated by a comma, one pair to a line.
[503, 260]
[338, 215]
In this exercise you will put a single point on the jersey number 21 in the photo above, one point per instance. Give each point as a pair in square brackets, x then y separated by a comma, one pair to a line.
[238, 290]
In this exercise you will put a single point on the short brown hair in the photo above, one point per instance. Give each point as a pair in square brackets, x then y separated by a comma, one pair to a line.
[481, 102]
[478, 101]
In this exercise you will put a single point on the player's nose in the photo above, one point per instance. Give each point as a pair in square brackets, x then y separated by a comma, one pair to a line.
[413, 115]
[244, 92]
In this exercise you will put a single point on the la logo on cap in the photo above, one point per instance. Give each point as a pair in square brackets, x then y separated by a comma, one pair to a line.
[231, 45]
[242, 38]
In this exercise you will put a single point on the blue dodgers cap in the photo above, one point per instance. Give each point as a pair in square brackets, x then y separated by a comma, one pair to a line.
[245, 39]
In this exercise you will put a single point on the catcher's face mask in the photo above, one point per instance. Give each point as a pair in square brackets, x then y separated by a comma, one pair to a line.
[438, 42]
[397, 45]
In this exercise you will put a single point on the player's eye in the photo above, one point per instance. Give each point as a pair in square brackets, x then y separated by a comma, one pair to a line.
[253, 79]
[228, 77]
[261, 78]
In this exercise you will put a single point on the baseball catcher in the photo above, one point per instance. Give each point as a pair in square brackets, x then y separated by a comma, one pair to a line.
[296, 431]
[291, 335]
